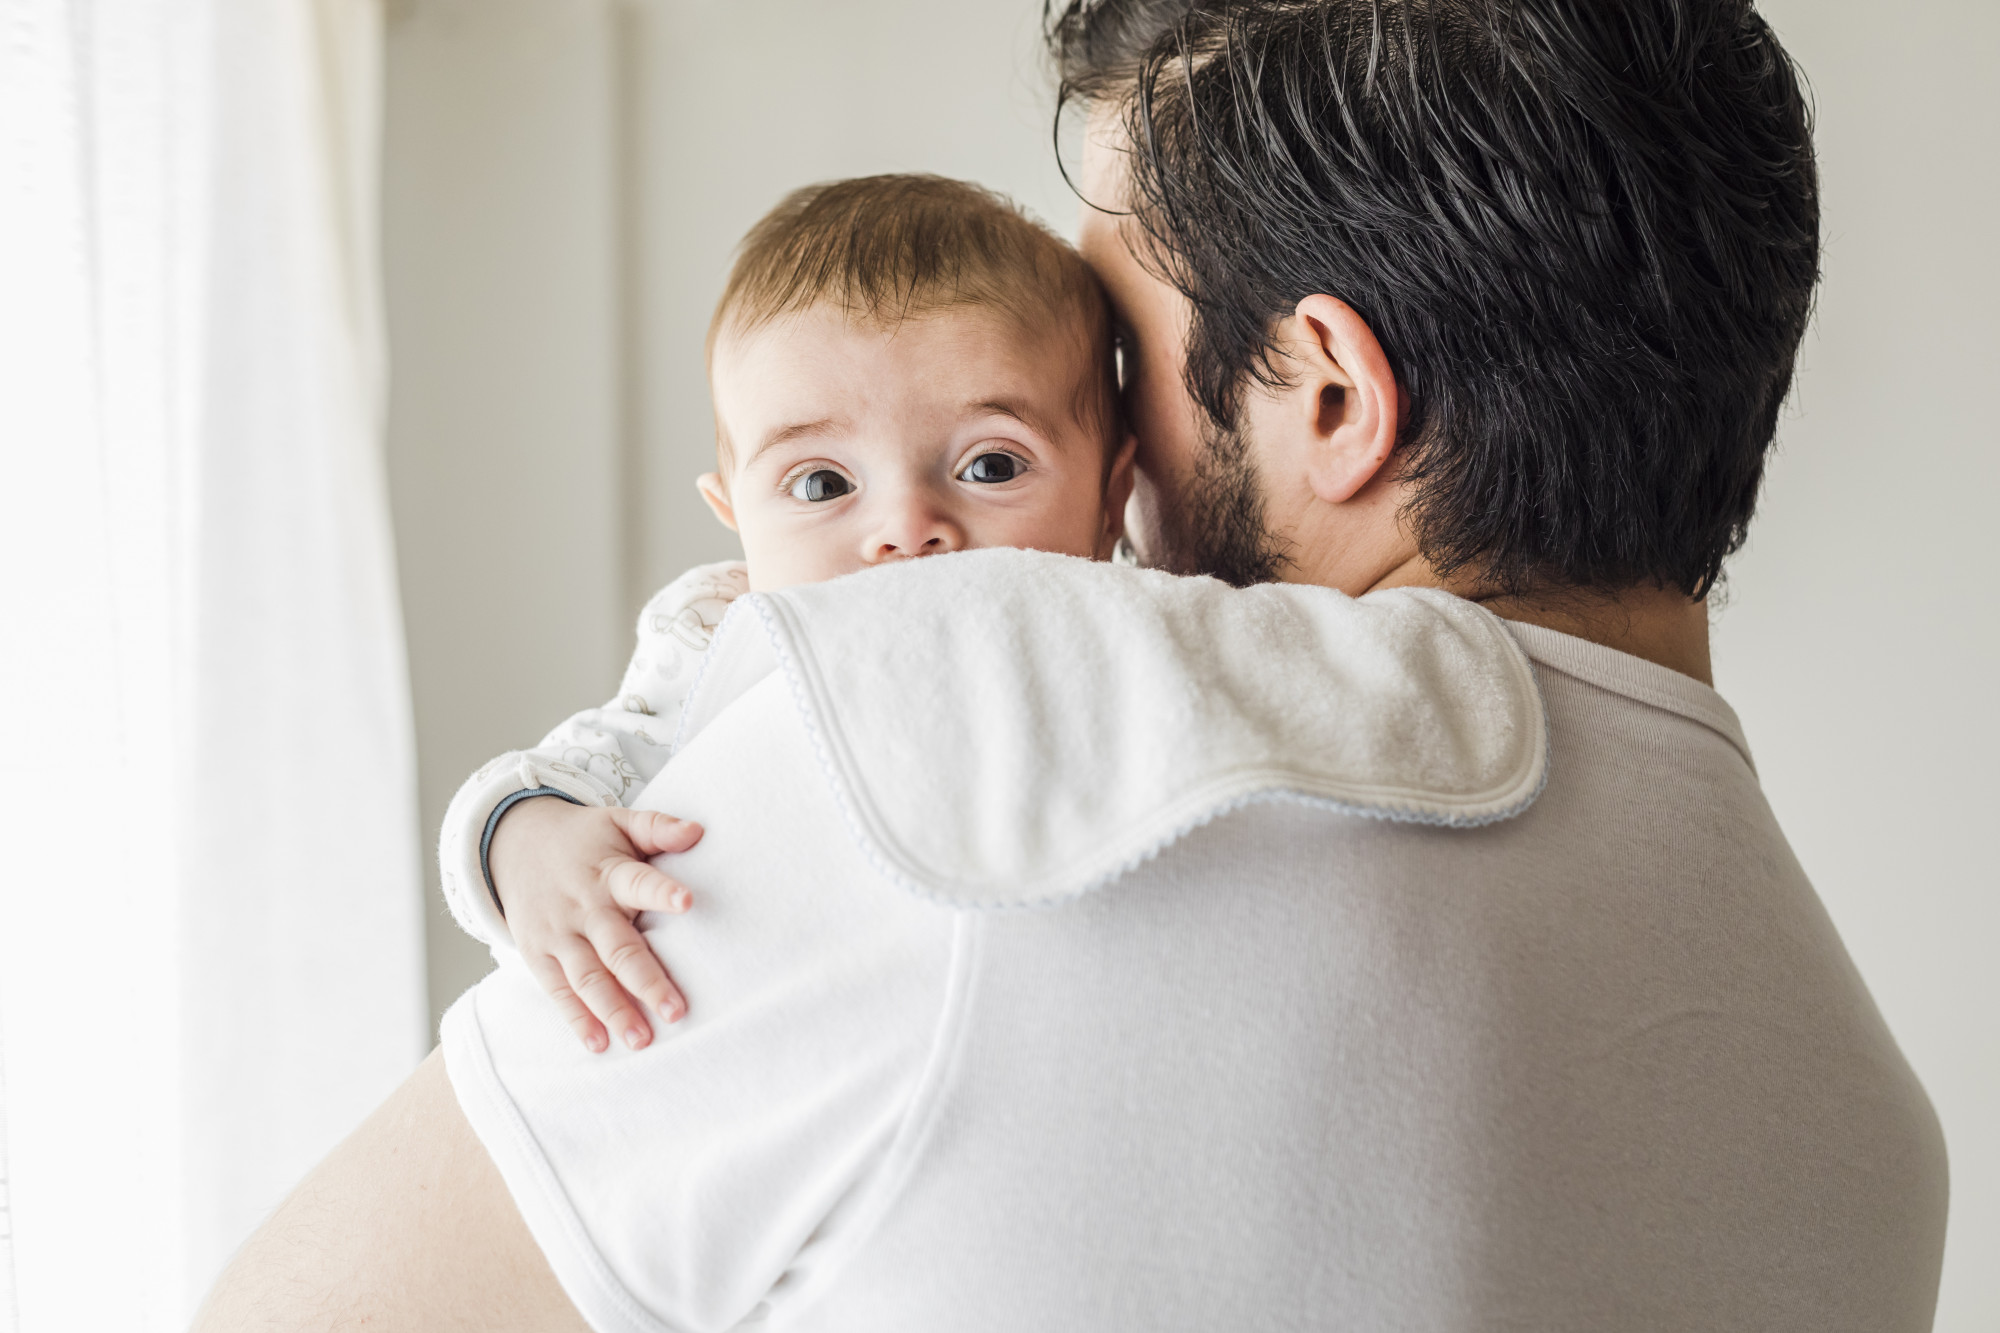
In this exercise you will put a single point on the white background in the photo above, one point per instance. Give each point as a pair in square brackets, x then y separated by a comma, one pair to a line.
[565, 179]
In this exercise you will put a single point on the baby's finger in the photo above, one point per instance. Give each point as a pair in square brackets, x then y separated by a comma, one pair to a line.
[654, 834]
[593, 982]
[639, 887]
[634, 963]
[549, 973]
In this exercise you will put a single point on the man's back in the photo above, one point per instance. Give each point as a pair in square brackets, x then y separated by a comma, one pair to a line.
[1596, 1063]
[1605, 1065]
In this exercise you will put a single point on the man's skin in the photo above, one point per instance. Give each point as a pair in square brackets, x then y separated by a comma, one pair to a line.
[407, 1225]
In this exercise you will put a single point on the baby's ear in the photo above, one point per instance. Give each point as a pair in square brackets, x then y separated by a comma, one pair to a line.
[712, 490]
[1117, 490]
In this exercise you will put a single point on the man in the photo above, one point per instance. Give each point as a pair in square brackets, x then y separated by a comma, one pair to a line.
[1495, 299]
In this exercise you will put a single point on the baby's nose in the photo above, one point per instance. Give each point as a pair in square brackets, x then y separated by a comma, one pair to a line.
[913, 527]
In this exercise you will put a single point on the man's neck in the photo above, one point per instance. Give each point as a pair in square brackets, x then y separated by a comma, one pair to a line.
[1657, 624]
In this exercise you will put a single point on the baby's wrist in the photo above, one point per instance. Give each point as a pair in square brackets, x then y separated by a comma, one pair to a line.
[494, 848]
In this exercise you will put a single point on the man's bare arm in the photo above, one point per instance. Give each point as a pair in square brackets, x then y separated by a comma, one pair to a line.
[405, 1226]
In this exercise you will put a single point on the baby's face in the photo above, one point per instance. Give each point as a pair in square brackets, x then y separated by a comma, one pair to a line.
[851, 445]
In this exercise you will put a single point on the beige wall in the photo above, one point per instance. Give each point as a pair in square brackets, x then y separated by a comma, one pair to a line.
[552, 263]
[1861, 643]
[500, 229]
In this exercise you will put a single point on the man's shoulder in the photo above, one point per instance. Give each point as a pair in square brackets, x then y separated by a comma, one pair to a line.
[1008, 727]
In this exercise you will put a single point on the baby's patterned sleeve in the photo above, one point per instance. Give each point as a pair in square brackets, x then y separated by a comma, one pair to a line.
[601, 756]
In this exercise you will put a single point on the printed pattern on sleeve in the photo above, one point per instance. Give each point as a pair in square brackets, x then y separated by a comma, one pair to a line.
[601, 756]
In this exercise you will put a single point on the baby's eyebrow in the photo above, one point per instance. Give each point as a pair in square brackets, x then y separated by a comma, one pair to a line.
[1015, 408]
[798, 430]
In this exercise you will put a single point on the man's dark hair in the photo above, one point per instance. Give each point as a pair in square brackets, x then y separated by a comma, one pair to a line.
[1586, 233]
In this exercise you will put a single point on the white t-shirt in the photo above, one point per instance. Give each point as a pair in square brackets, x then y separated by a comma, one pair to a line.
[1414, 1048]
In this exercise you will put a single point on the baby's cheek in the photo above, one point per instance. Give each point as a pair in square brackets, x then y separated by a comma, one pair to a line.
[780, 559]
[1071, 524]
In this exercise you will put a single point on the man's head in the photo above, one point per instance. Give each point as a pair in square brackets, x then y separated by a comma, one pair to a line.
[904, 366]
[1512, 286]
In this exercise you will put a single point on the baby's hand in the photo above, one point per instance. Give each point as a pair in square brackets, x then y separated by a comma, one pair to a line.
[571, 879]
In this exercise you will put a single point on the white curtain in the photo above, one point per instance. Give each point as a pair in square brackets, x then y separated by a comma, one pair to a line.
[210, 901]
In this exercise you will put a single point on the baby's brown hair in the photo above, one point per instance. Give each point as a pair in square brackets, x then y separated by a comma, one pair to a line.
[890, 248]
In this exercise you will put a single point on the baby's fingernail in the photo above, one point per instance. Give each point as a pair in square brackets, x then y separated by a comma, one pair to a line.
[635, 1038]
[671, 1010]
[596, 1041]
[679, 900]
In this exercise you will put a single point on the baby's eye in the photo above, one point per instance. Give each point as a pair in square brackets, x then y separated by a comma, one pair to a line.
[821, 484]
[992, 468]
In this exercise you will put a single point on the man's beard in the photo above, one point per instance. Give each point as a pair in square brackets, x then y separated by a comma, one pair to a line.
[1216, 525]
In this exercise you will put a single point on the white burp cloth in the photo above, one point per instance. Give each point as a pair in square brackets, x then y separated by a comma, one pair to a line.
[1007, 727]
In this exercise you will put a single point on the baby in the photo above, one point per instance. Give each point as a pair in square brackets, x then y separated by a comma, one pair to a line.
[901, 366]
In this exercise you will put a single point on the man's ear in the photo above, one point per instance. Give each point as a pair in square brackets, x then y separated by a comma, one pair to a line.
[1117, 491]
[1348, 403]
[712, 490]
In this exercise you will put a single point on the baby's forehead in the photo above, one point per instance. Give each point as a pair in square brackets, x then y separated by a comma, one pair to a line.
[967, 358]
[1048, 332]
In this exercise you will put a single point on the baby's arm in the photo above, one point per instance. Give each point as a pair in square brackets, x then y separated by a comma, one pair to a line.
[570, 919]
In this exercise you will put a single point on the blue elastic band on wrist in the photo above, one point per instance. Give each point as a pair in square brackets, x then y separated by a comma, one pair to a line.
[493, 822]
